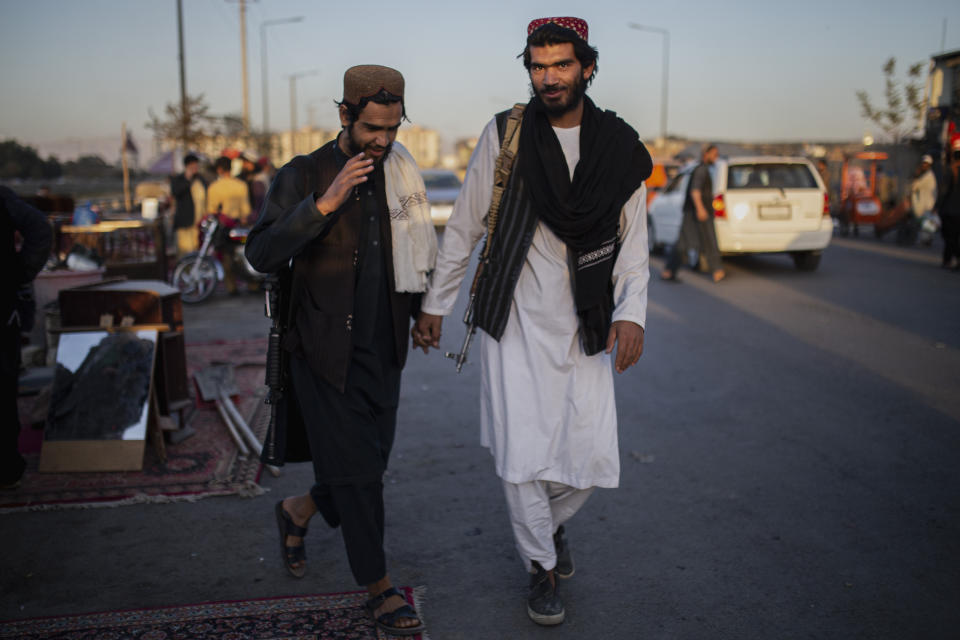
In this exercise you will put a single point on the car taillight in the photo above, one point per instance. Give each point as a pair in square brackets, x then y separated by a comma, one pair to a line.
[719, 208]
[826, 205]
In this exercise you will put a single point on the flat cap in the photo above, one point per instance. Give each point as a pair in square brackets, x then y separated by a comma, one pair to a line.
[367, 80]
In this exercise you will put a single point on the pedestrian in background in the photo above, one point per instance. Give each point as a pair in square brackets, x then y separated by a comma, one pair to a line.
[229, 197]
[697, 229]
[25, 239]
[948, 206]
[189, 193]
[259, 187]
[923, 198]
[256, 188]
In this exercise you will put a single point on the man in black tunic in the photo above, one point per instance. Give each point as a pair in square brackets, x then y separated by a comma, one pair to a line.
[697, 230]
[348, 319]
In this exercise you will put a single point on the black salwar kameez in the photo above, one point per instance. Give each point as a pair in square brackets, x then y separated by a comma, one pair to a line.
[351, 433]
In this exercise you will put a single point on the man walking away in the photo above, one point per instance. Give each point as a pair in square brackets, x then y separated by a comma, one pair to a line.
[697, 229]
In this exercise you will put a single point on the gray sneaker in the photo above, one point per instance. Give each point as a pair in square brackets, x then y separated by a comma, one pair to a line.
[564, 568]
[544, 605]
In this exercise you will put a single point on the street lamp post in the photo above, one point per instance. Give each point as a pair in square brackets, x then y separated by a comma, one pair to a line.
[665, 74]
[293, 105]
[265, 90]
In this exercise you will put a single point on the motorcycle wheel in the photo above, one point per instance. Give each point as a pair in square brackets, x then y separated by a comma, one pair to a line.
[195, 280]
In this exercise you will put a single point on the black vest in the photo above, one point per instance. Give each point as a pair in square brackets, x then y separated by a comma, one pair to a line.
[324, 278]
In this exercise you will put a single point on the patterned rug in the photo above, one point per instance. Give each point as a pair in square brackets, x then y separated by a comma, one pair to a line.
[205, 464]
[320, 617]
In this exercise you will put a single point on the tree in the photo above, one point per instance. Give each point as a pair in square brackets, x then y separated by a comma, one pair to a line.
[197, 125]
[90, 167]
[904, 102]
[18, 161]
[190, 127]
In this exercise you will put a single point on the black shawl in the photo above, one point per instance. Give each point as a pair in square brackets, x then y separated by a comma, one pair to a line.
[584, 212]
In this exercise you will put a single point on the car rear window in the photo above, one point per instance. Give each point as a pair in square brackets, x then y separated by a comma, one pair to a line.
[441, 181]
[770, 176]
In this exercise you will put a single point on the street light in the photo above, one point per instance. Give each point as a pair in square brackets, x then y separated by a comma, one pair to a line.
[666, 73]
[263, 65]
[293, 104]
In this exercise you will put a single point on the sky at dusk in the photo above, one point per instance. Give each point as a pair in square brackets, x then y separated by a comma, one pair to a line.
[74, 70]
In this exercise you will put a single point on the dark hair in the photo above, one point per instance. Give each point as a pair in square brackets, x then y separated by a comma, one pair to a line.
[551, 33]
[707, 148]
[187, 159]
[381, 97]
[223, 162]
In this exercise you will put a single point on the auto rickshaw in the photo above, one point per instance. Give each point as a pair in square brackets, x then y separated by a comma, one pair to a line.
[663, 173]
[859, 202]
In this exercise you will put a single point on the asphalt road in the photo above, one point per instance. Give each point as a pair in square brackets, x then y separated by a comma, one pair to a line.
[789, 446]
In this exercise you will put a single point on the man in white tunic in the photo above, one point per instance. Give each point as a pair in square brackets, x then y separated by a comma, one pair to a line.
[565, 282]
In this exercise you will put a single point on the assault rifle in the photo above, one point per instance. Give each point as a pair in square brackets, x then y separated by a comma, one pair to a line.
[468, 317]
[274, 372]
[509, 143]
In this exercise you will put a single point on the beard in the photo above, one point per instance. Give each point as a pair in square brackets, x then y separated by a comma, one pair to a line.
[356, 147]
[566, 103]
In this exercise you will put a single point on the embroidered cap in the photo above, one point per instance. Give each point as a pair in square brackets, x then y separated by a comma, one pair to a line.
[367, 80]
[577, 25]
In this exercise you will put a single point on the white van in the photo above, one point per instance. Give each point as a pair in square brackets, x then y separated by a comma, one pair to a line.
[763, 204]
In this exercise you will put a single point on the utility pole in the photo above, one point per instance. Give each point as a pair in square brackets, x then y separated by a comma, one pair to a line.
[264, 83]
[664, 76]
[243, 63]
[126, 169]
[243, 58]
[184, 114]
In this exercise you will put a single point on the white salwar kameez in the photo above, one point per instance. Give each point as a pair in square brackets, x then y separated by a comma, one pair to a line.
[547, 409]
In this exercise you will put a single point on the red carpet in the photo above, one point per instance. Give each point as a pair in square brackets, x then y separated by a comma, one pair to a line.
[326, 617]
[205, 464]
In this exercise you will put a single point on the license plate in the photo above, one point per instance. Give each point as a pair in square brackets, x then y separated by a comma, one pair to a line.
[774, 211]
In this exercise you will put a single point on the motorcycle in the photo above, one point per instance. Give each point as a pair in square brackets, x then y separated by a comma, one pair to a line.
[197, 273]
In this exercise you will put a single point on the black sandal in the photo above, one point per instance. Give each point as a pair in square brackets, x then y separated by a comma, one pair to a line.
[291, 555]
[386, 622]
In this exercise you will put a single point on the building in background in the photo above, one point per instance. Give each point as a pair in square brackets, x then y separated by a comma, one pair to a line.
[423, 144]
